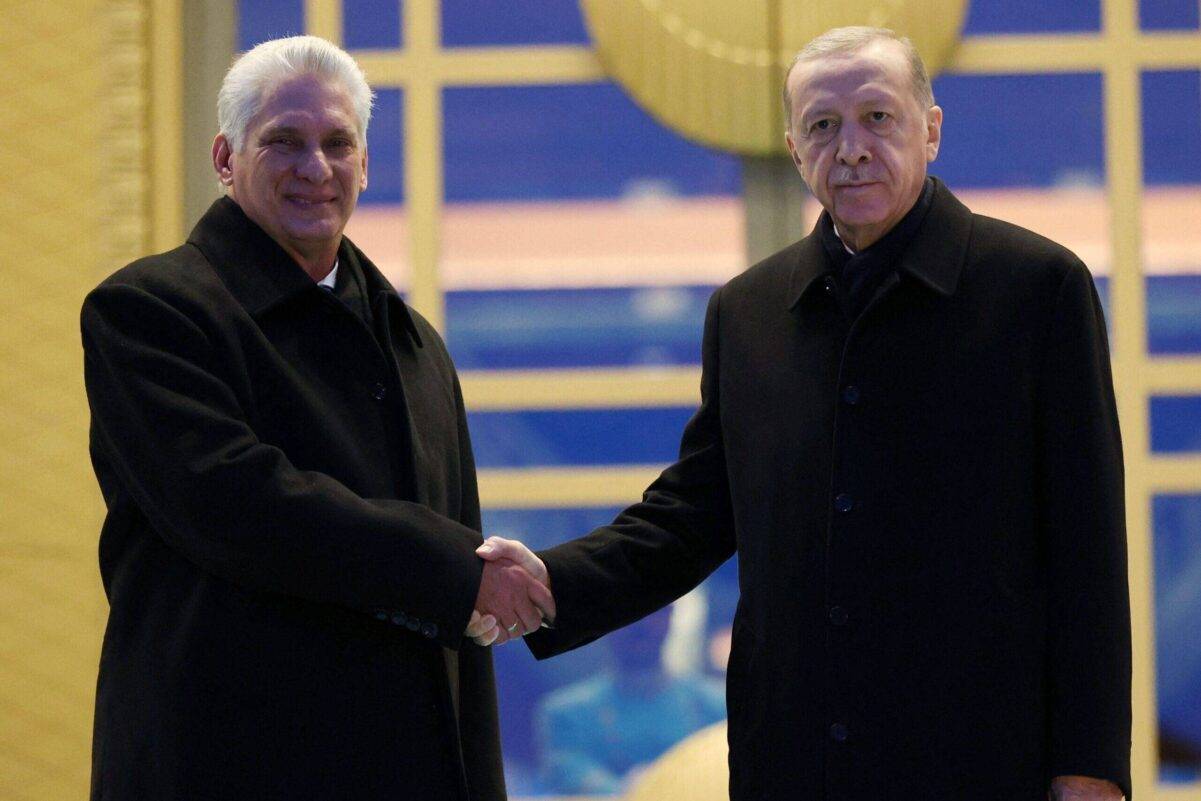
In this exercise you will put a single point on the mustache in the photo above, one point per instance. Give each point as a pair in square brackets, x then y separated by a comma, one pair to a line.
[845, 176]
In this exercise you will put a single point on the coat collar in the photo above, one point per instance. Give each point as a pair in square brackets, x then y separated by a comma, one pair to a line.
[261, 275]
[934, 257]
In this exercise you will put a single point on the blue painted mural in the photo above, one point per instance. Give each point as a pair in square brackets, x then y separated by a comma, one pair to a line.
[591, 142]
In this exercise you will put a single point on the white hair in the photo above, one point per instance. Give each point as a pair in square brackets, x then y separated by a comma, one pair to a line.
[258, 71]
[852, 39]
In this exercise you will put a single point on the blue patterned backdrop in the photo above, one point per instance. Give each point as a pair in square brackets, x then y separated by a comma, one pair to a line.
[506, 144]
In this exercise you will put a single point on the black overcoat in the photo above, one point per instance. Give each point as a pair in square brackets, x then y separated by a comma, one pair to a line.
[928, 514]
[289, 547]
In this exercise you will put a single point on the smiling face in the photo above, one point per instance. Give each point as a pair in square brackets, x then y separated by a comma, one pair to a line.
[860, 139]
[301, 169]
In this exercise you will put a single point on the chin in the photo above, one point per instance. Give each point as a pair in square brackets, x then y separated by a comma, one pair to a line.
[860, 219]
[314, 229]
[863, 210]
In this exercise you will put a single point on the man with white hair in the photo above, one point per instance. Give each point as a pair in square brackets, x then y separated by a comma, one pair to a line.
[289, 550]
[908, 434]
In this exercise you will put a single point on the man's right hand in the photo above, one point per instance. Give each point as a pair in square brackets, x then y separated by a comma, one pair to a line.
[499, 549]
[513, 592]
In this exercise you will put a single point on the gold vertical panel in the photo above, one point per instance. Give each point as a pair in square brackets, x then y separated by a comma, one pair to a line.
[324, 18]
[124, 136]
[163, 158]
[62, 181]
[50, 624]
[423, 159]
[1123, 162]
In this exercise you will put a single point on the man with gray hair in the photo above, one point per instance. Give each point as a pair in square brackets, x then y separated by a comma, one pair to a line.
[289, 550]
[908, 434]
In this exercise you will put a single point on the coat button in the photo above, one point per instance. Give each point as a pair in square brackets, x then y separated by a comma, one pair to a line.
[829, 286]
[844, 502]
[850, 395]
[399, 619]
[839, 615]
[429, 630]
[839, 733]
[379, 391]
[412, 624]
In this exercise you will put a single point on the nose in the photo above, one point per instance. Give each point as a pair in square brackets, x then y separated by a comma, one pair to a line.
[314, 167]
[853, 147]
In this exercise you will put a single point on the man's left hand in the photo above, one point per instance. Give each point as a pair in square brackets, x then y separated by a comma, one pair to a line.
[1083, 788]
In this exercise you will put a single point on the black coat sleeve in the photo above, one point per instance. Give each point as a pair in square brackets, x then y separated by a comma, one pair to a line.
[1081, 503]
[176, 436]
[656, 550]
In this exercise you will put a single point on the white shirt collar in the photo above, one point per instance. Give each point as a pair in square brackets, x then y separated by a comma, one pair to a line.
[840, 240]
[329, 280]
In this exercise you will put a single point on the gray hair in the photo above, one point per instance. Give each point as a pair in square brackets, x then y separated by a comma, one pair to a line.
[852, 39]
[261, 69]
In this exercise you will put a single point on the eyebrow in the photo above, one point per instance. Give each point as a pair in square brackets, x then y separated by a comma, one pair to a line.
[277, 130]
[879, 96]
[871, 97]
[294, 131]
[817, 111]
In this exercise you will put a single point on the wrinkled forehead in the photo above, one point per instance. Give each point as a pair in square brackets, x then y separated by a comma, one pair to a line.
[307, 99]
[867, 74]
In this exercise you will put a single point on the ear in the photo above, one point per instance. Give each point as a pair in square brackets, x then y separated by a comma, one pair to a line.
[363, 180]
[792, 151]
[933, 132]
[223, 160]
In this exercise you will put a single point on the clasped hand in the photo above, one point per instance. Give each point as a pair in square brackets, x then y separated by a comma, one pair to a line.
[514, 597]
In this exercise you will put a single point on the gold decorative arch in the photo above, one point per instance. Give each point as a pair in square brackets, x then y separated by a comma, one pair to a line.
[712, 69]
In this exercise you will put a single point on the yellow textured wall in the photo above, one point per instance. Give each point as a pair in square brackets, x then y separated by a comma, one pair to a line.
[51, 602]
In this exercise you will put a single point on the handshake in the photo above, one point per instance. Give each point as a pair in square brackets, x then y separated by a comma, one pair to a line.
[514, 597]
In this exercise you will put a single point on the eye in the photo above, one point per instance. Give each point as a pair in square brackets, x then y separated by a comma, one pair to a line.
[340, 143]
[879, 116]
[824, 125]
